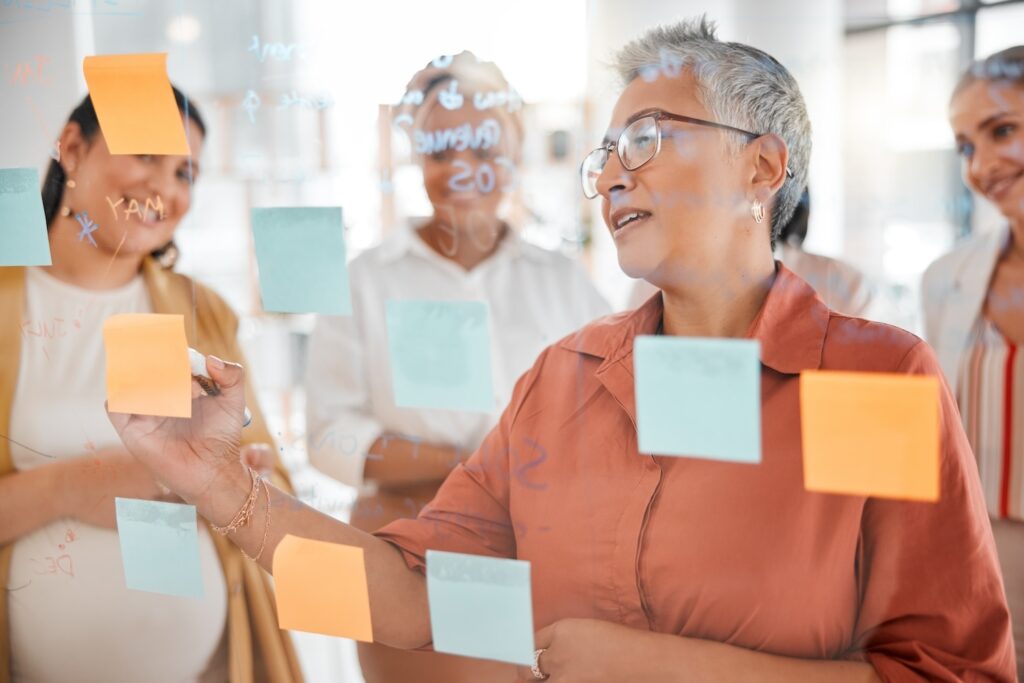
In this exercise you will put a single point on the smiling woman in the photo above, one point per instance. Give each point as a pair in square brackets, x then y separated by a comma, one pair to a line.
[974, 313]
[465, 250]
[129, 180]
[61, 465]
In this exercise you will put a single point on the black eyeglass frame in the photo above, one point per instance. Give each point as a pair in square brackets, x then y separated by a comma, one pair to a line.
[658, 115]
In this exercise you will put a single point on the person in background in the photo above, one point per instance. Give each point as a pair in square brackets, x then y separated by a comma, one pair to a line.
[465, 251]
[66, 614]
[842, 287]
[646, 568]
[973, 304]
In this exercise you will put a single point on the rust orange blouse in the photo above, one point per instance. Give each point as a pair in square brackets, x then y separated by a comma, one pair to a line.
[731, 552]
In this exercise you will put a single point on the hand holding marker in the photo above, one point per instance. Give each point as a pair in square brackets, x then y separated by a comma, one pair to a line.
[202, 377]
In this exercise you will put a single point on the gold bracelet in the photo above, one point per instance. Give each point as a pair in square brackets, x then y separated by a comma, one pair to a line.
[266, 525]
[244, 513]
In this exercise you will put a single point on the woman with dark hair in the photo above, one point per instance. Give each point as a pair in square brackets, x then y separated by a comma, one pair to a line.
[651, 568]
[841, 286]
[974, 305]
[111, 222]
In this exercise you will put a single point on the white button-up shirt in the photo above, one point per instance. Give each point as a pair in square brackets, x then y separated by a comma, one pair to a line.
[535, 297]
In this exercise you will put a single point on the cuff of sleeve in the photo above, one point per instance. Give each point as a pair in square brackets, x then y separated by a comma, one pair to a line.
[402, 534]
[340, 450]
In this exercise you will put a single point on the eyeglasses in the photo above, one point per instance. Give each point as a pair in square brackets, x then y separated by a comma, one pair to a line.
[640, 142]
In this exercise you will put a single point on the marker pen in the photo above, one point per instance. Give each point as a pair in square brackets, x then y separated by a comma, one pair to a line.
[200, 375]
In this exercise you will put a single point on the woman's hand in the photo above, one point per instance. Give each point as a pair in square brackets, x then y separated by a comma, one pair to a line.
[586, 651]
[189, 455]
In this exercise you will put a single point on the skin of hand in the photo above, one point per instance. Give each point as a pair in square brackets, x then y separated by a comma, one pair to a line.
[187, 456]
[585, 651]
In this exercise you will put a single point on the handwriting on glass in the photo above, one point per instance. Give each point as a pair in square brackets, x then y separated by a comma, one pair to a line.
[60, 564]
[23, 73]
[43, 329]
[88, 227]
[53, 565]
[498, 98]
[47, 5]
[152, 208]
[482, 178]
[459, 139]
[250, 104]
[670, 66]
[293, 99]
[450, 98]
[276, 51]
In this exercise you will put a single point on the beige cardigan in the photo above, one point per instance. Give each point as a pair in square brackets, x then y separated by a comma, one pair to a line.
[211, 327]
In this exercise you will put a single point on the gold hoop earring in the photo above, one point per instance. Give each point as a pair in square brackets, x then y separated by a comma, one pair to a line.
[757, 211]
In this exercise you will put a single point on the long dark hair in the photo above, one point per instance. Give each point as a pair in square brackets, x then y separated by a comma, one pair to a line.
[85, 116]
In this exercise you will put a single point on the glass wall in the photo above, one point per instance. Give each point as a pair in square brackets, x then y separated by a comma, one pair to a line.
[905, 202]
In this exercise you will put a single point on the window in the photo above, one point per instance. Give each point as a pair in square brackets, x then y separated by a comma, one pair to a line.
[905, 202]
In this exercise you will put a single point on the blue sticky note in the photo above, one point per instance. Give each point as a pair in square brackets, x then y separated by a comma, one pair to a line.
[23, 239]
[441, 354]
[159, 547]
[301, 256]
[699, 398]
[480, 606]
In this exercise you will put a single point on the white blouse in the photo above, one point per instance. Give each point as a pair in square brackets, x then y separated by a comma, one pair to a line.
[535, 297]
[71, 617]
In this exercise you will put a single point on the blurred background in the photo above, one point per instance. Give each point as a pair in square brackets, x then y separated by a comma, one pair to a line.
[297, 95]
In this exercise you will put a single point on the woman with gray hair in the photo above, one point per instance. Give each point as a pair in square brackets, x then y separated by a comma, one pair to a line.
[648, 568]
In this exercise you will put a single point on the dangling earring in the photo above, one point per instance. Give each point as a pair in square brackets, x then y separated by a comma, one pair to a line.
[167, 256]
[65, 210]
[757, 211]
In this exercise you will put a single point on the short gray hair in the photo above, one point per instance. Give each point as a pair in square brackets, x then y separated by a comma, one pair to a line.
[740, 85]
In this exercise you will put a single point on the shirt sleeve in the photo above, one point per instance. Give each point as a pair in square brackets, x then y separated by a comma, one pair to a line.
[470, 513]
[339, 424]
[932, 601]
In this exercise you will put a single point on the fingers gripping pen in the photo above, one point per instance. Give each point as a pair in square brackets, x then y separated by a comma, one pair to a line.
[200, 375]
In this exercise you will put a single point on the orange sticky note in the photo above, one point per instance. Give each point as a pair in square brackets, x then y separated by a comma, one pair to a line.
[135, 104]
[870, 434]
[148, 372]
[321, 588]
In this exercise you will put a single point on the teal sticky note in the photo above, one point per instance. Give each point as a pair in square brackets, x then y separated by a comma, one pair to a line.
[441, 354]
[159, 547]
[23, 240]
[300, 252]
[480, 606]
[698, 397]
